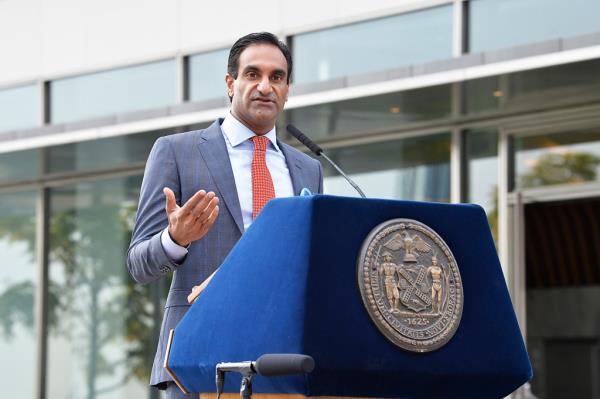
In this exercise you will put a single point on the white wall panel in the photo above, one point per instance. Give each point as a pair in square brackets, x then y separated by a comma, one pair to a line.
[217, 23]
[20, 40]
[63, 36]
[86, 35]
[53, 38]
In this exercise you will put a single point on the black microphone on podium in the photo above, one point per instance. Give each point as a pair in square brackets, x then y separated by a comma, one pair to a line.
[268, 365]
[317, 150]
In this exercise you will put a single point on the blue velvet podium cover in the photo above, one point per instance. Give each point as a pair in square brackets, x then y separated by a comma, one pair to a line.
[290, 286]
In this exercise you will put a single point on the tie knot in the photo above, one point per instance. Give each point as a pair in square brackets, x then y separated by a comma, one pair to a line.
[260, 143]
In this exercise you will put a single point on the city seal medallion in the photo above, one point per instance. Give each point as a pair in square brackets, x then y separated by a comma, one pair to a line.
[410, 285]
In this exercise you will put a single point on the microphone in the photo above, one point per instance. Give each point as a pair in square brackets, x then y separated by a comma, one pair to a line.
[269, 365]
[317, 150]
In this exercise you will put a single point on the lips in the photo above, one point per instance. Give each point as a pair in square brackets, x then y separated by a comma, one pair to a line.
[263, 100]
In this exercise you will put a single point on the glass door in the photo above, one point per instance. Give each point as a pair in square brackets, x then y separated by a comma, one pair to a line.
[551, 228]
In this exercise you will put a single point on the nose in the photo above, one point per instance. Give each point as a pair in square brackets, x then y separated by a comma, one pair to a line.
[264, 86]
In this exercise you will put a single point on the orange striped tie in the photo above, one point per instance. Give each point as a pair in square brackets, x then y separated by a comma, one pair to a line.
[262, 183]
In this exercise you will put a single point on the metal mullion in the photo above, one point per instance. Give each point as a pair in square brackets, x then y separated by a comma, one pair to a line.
[181, 62]
[457, 167]
[44, 102]
[459, 28]
[41, 309]
[504, 229]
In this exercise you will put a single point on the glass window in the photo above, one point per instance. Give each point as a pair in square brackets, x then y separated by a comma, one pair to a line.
[18, 282]
[19, 165]
[103, 326]
[206, 75]
[494, 24]
[526, 90]
[372, 114]
[416, 168]
[116, 91]
[560, 158]
[372, 46]
[107, 153]
[20, 108]
[482, 158]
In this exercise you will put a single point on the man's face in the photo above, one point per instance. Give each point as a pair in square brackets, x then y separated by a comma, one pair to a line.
[261, 89]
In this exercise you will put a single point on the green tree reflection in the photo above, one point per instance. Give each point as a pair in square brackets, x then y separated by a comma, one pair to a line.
[16, 301]
[94, 291]
[560, 168]
[92, 301]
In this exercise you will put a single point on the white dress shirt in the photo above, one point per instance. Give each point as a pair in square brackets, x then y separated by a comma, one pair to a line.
[240, 149]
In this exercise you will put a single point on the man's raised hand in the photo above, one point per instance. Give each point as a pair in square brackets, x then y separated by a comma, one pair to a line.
[191, 221]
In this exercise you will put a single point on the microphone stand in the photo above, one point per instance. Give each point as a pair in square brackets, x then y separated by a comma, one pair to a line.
[318, 151]
[246, 387]
[322, 154]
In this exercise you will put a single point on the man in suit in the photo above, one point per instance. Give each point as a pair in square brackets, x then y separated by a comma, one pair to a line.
[202, 189]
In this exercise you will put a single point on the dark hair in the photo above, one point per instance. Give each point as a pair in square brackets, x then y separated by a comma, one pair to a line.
[256, 38]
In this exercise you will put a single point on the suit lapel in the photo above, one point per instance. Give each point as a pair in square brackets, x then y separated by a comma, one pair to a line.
[294, 166]
[214, 152]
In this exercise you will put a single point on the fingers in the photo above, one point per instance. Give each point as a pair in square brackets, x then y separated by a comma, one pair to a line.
[192, 221]
[170, 203]
[189, 206]
[204, 208]
[210, 220]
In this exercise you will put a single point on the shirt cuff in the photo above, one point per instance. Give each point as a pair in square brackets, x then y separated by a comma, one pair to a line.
[174, 251]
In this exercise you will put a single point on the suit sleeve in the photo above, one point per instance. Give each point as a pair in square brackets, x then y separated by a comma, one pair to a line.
[146, 258]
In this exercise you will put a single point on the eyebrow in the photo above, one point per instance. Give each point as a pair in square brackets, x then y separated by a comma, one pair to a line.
[253, 68]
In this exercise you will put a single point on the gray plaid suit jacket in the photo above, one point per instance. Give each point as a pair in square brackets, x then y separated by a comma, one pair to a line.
[186, 163]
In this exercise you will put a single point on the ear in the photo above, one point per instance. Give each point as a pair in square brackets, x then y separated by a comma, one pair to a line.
[229, 80]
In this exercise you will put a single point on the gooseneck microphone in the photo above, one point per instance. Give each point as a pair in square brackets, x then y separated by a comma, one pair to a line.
[269, 365]
[317, 150]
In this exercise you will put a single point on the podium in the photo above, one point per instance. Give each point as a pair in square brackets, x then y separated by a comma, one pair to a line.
[290, 285]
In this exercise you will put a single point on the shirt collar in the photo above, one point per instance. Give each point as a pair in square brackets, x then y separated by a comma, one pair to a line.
[237, 132]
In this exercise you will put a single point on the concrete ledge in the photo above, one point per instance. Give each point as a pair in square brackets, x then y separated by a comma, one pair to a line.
[91, 123]
[372, 77]
[528, 50]
[199, 105]
[312, 87]
[464, 61]
[581, 41]
[141, 115]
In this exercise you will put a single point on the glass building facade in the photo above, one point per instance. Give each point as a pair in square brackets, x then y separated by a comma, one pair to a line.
[524, 144]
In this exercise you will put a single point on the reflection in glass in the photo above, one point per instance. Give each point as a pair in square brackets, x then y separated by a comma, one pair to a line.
[111, 92]
[107, 153]
[19, 107]
[19, 165]
[416, 168]
[482, 158]
[103, 327]
[206, 75]
[559, 158]
[557, 85]
[102, 153]
[372, 114]
[495, 24]
[18, 281]
[375, 45]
